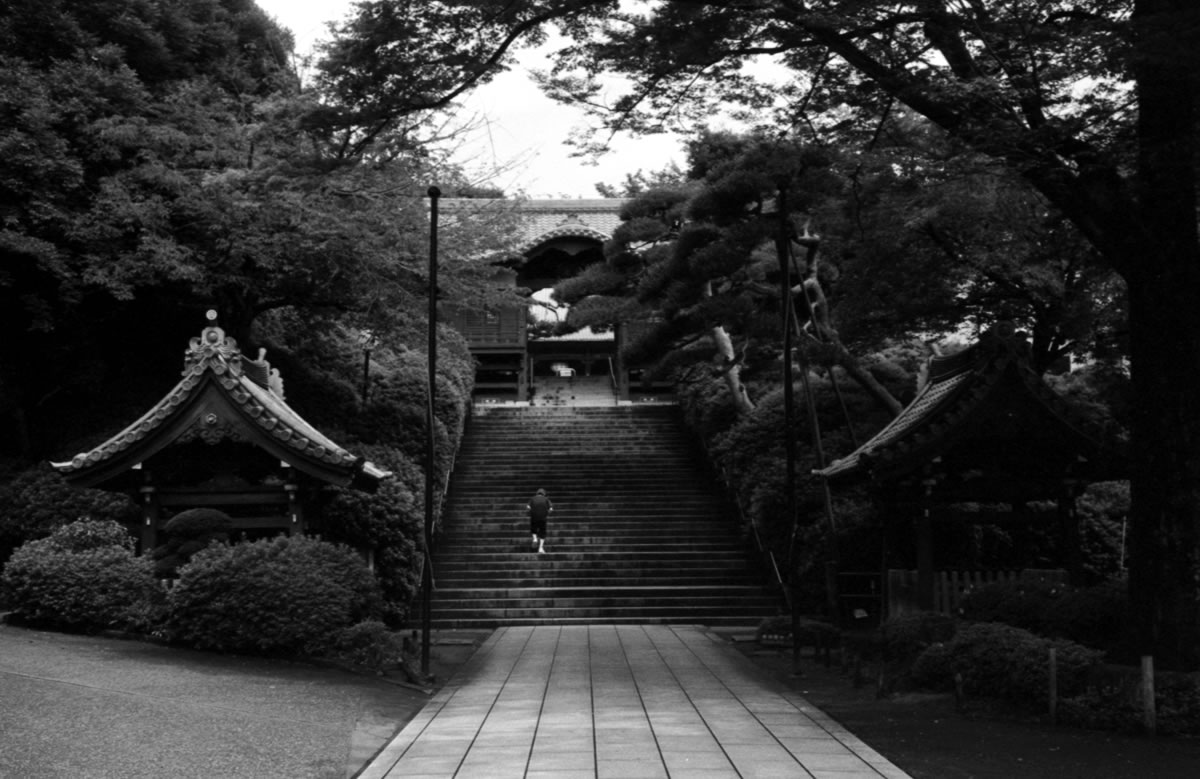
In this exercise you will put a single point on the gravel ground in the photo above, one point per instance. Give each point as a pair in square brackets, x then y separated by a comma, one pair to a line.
[84, 706]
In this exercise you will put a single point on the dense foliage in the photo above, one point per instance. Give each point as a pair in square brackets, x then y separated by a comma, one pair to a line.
[1094, 616]
[186, 534]
[997, 660]
[83, 576]
[170, 162]
[324, 382]
[283, 595]
[36, 501]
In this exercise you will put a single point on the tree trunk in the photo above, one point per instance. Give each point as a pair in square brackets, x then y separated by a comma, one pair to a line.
[731, 370]
[1164, 325]
[1164, 528]
[863, 377]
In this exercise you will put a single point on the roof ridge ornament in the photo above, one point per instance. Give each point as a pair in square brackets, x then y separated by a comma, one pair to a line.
[213, 350]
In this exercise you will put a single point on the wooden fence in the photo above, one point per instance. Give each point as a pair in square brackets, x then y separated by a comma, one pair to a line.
[949, 587]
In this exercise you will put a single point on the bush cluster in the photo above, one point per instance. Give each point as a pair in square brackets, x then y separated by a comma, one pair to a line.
[1001, 661]
[83, 577]
[1093, 616]
[903, 639]
[37, 501]
[287, 595]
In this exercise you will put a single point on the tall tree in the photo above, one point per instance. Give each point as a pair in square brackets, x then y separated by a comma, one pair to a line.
[158, 156]
[696, 268]
[1090, 101]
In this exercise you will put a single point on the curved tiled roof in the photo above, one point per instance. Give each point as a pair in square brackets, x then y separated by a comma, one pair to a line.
[246, 396]
[543, 220]
[959, 389]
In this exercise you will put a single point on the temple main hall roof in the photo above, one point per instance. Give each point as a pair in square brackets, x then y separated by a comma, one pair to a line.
[223, 395]
[543, 220]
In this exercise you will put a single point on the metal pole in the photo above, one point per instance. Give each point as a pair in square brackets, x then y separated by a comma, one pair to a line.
[430, 450]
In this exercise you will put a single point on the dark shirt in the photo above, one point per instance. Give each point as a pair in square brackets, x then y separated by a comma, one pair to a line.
[539, 507]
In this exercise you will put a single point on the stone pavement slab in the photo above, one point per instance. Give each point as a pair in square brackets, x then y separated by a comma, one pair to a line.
[620, 701]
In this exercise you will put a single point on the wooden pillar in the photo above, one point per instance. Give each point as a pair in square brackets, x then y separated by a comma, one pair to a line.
[924, 557]
[295, 508]
[148, 535]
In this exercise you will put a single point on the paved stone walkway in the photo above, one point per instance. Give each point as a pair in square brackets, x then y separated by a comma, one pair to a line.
[620, 702]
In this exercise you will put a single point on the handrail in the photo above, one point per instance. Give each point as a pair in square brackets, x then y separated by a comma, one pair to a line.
[612, 374]
[763, 552]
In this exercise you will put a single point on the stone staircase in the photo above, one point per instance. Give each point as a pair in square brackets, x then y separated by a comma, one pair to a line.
[638, 532]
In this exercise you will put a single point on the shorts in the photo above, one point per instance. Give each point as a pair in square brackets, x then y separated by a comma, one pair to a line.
[537, 527]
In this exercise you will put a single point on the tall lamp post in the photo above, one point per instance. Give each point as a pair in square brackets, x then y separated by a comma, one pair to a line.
[783, 249]
[430, 449]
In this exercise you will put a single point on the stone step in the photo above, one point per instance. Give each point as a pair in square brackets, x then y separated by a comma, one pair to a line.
[448, 601]
[640, 558]
[747, 616]
[699, 577]
[463, 534]
[534, 565]
[577, 513]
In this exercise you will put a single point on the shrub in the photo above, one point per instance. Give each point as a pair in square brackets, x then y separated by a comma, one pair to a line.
[282, 595]
[368, 644]
[83, 577]
[1001, 661]
[1113, 702]
[933, 669]
[1093, 616]
[1022, 603]
[391, 521]
[187, 533]
[38, 501]
[89, 534]
[906, 637]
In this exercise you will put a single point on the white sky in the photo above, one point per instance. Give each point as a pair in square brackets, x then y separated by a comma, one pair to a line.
[520, 145]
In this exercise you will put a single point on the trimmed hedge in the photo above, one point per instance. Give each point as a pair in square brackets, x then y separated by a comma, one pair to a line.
[1000, 661]
[288, 595]
[83, 577]
[1093, 616]
[903, 639]
[187, 533]
[368, 644]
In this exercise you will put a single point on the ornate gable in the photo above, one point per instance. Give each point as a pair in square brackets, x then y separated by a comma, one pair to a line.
[223, 396]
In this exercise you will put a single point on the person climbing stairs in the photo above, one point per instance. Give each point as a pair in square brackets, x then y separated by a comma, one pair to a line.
[640, 534]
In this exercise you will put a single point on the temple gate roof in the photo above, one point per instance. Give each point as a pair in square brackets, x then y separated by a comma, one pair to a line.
[223, 395]
[985, 427]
